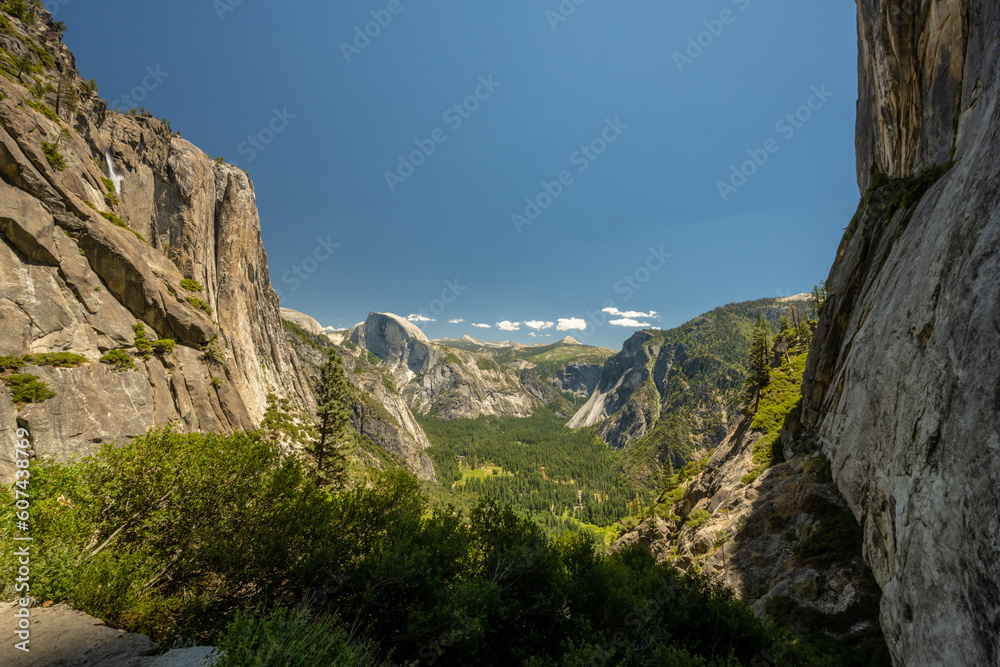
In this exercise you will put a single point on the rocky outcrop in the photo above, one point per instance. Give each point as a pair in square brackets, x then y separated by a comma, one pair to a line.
[901, 389]
[307, 322]
[464, 378]
[175, 245]
[382, 331]
[578, 379]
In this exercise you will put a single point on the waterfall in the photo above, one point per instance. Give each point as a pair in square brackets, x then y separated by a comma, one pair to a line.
[113, 174]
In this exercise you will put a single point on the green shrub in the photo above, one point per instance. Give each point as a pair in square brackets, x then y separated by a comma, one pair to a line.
[219, 160]
[119, 360]
[118, 222]
[53, 155]
[43, 109]
[57, 359]
[486, 364]
[199, 304]
[11, 363]
[290, 638]
[111, 199]
[216, 382]
[109, 185]
[698, 518]
[27, 388]
[192, 285]
[163, 346]
[142, 344]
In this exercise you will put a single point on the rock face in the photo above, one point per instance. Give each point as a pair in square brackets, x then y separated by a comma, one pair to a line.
[578, 379]
[674, 393]
[381, 331]
[466, 378]
[380, 413]
[307, 322]
[750, 531]
[901, 388]
[81, 261]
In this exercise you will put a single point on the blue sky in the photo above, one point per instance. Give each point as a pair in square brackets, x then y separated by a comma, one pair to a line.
[613, 120]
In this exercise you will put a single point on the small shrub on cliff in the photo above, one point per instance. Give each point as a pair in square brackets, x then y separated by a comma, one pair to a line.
[142, 344]
[199, 304]
[698, 518]
[192, 285]
[118, 222]
[53, 155]
[109, 185]
[118, 360]
[27, 388]
[57, 359]
[163, 346]
[11, 363]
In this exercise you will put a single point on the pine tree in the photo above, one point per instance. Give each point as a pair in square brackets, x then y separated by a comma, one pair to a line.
[819, 297]
[334, 416]
[759, 372]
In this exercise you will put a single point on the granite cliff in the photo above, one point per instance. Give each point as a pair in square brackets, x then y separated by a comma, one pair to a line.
[901, 389]
[108, 221]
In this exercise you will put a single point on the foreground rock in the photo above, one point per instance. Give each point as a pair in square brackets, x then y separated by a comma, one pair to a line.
[901, 389]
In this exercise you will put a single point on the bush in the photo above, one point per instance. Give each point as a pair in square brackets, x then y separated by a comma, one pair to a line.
[11, 363]
[182, 536]
[698, 518]
[142, 344]
[53, 155]
[27, 388]
[119, 360]
[199, 304]
[164, 346]
[57, 359]
[118, 222]
[192, 285]
[290, 638]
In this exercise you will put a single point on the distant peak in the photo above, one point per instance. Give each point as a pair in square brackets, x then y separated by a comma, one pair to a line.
[569, 340]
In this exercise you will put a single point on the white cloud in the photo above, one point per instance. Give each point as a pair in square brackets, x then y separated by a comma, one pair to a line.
[330, 329]
[458, 321]
[419, 318]
[630, 314]
[507, 325]
[482, 326]
[629, 322]
[538, 325]
[570, 323]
